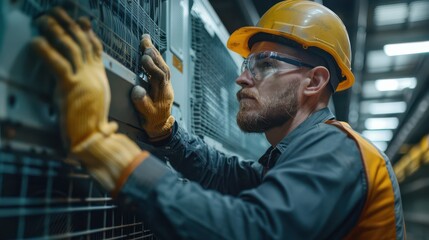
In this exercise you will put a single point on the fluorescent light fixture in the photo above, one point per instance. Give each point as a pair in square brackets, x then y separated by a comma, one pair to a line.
[418, 11]
[406, 48]
[390, 14]
[395, 84]
[381, 123]
[383, 108]
[378, 135]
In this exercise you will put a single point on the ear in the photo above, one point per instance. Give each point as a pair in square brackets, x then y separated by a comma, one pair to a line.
[318, 80]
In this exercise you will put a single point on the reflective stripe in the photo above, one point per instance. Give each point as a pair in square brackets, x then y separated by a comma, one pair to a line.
[400, 225]
[380, 214]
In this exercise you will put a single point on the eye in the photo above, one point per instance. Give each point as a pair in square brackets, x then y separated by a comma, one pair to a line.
[266, 65]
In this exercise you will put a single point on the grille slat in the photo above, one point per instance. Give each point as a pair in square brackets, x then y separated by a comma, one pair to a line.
[214, 106]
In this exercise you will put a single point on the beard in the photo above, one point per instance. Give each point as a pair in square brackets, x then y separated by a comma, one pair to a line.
[261, 114]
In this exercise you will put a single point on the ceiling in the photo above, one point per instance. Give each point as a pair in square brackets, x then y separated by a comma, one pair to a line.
[390, 112]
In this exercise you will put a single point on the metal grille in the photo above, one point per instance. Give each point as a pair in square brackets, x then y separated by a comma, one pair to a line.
[214, 106]
[119, 23]
[43, 195]
[41, 198]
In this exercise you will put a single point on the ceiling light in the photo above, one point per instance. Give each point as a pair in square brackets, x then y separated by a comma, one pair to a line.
[383, 108]
[378, 135]
[395, 84]
[419, 11]
[406, 48]
[381, 123]
[390, 14]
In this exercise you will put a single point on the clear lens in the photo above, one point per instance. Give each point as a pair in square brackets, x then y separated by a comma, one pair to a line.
[263, 67]
[264, 64]
[260, 65]
[244, 66]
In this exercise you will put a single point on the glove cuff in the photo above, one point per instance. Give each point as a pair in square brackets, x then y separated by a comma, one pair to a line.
[128, 170]
[106, 156]
[164, 131]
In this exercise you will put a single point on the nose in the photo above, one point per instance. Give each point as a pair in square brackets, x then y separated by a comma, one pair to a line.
[245, 79]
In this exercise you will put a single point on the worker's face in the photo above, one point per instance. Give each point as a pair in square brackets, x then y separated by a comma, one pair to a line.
[269, 98]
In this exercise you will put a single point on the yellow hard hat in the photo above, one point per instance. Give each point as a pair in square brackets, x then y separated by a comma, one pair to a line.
[311, 25]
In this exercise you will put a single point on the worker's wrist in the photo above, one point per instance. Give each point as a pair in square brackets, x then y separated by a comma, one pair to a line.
[106, 157]
[162, 132]
[161, 137]
[143, 179]
[128, 170]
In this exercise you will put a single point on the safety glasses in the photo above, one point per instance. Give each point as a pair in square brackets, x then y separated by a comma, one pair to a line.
[264, 64]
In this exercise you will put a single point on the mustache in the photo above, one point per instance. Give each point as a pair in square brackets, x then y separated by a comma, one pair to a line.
[245, 93]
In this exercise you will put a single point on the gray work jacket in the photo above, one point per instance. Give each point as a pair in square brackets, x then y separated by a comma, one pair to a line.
[311, 185]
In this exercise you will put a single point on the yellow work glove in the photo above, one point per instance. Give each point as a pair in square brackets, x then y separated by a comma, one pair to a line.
[154, 105]
[73, 54]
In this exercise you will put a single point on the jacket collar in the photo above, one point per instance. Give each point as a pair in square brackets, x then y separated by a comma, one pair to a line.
[320, 116]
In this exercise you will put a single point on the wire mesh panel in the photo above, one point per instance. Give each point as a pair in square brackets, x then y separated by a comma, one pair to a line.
[42, 198]
[214, 106]
[42, 194]
[119, 23]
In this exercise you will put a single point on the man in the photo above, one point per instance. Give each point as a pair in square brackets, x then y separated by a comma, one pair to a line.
[318, 180]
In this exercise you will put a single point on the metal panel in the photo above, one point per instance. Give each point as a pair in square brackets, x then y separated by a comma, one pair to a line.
[177, 20]
[177, 57]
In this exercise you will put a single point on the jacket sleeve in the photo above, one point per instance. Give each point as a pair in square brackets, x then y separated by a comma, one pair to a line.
[313, 192]
[196, 161]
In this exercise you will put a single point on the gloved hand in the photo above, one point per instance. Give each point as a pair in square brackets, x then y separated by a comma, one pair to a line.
[73, 54]
[155, 105]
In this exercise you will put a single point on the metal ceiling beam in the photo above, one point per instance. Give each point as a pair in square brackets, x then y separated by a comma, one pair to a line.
[383, 2]
[415, 125]
[394, 98]
[358, 60]
[376, 41]
[390, 74]
[249, 11]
